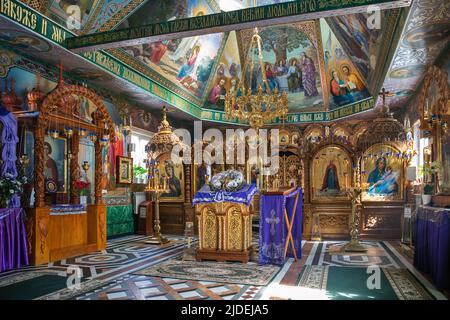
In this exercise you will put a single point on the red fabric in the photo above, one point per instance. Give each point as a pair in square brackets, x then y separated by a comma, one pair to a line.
[158, 51]
[335, 88]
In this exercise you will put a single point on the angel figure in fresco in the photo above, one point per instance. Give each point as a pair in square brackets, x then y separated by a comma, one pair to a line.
[309, 75]
[184, 75]
[330, 179]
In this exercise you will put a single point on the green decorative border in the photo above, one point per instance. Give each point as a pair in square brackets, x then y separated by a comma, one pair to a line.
[301, 117]
[34, 21]
[220, 20]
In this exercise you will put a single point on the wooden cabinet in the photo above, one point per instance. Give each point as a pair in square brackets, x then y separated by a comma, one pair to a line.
[225, 231]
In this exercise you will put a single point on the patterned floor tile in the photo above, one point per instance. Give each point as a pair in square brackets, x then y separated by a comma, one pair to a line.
[110, 274]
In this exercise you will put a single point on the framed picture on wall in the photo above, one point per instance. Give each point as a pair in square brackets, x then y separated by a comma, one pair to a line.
[55, 164]
[124, 172]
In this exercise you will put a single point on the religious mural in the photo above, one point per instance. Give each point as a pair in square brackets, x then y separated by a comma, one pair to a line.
[109, 157]
[227, 75]
[331, 173]
[86, 153]
[55, 164]
[345, 82]
[358, 39]
[186, 62]
[60, 10]
[23, 41]
[290, 63]
[382, 174]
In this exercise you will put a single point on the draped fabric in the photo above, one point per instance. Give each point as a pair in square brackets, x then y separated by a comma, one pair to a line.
[9, 141]
[13, 242]
[273, 229]
[244, 195]
[432, 244]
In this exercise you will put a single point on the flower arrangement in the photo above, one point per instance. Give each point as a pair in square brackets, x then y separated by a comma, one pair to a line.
[9, 187]
[83, 186]
[231, 180]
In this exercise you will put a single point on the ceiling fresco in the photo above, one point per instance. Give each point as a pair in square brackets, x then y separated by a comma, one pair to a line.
[344, 81]
[424, 37]
[360, 37]
[324, 65]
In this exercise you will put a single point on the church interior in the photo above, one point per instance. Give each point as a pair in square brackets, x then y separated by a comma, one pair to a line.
[224, 150]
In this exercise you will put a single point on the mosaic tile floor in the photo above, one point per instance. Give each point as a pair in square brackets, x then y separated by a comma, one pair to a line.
[109, 275]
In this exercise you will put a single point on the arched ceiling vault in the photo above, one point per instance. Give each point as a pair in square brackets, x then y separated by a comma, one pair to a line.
[330, 67]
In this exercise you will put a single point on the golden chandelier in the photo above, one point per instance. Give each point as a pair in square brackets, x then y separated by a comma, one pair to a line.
[259, 106]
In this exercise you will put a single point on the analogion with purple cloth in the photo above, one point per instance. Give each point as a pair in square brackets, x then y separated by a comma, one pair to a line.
[432, 244]
[244, 195]
[273, 229]
[13, 240]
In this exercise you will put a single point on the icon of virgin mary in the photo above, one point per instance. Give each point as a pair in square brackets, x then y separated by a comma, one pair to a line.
[330, 179]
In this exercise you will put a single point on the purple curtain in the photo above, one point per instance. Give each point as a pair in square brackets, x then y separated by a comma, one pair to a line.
[9, 141]
[13, 241]
[432, 244]
[273, 229]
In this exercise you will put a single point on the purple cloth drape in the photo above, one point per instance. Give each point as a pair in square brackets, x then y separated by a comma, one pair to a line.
[9, 141]
[432, 244]
[13, 240]
[273, 229]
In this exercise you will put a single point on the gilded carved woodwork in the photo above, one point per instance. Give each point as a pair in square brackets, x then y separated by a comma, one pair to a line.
[440, 78]
[98, 173]
[39, 179]
[333, 221]
[75, 147]
[224, 231]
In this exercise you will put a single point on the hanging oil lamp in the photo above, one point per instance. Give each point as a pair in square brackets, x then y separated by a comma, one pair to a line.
[85, 166]
[68, 131]
[104, 141]
[54, 133]
[92, 136]
[82, 132]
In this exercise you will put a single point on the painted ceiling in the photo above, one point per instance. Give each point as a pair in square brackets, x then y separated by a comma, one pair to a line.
[323, 64]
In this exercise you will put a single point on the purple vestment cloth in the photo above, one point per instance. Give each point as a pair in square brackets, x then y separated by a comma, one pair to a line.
[13, 240]
[273, 229]
[432, 244]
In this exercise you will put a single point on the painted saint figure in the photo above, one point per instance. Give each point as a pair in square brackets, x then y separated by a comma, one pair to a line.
[174, 182]
[294, 80]
[339, 90]
[382, 179]
[188, 67]
[309, 76]
[50, 169]
[217, 95]
[330, 179]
